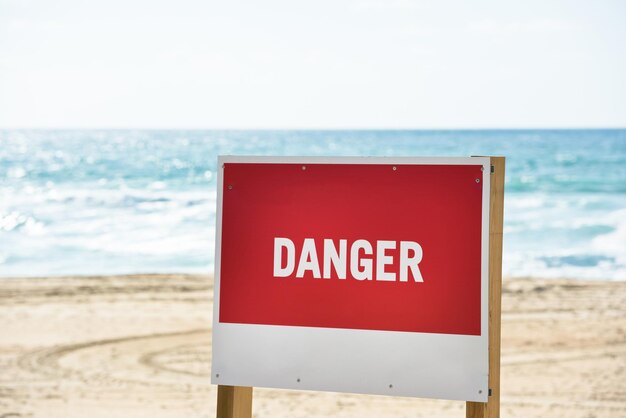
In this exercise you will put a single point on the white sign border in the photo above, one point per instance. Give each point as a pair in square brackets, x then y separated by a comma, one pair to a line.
[452, 367]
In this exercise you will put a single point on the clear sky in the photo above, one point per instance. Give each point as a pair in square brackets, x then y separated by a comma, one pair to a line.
[312, 64]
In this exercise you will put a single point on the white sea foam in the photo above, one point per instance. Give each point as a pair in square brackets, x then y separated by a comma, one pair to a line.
[575, 235]
[613, 243]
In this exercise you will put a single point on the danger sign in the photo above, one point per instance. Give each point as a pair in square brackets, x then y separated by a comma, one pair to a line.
[353, 274]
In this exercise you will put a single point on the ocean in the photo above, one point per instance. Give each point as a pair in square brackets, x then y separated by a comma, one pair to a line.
[130, 201]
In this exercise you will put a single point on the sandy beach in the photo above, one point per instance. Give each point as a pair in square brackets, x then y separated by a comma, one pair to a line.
[140, 346]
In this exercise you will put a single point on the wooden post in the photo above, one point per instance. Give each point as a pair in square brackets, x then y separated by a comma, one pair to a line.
[491, 409]
[234, 402]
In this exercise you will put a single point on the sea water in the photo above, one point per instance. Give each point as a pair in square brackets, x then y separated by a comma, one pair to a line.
[102, 202]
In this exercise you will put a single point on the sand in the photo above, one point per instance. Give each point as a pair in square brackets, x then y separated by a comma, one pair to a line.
[140, 346]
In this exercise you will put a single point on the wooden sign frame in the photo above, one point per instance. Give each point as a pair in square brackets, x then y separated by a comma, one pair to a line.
[236, 401]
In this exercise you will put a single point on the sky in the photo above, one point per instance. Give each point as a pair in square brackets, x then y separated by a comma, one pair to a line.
[326, 64]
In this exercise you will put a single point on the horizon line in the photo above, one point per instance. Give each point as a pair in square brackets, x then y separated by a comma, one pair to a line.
[328, 129]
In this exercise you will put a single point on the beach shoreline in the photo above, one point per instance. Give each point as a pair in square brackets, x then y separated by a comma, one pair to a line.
[140, 346]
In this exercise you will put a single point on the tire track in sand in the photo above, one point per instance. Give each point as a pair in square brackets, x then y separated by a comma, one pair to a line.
[153, 359]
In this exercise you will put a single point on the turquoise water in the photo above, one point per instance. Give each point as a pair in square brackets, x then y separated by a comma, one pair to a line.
[99, 202]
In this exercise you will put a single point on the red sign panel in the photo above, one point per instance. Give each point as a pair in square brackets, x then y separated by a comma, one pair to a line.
[360, 246]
